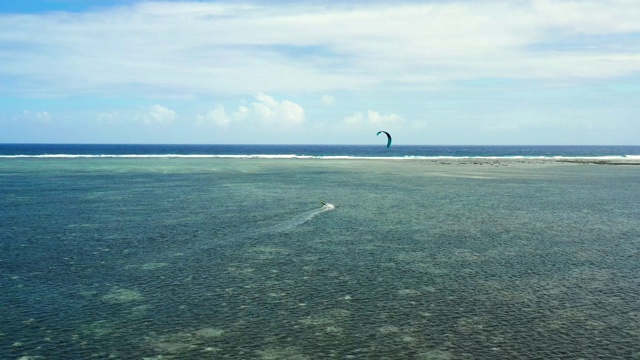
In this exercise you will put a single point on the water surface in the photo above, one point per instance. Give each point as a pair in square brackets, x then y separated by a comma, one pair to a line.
[187, 258]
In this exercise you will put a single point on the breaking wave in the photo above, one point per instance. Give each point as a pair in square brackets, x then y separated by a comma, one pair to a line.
[324, 157]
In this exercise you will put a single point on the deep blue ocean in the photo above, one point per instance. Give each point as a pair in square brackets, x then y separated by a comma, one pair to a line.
[318, 150]
[318, 252]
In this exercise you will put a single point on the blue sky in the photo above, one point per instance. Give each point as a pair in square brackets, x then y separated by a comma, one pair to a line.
[300, 72]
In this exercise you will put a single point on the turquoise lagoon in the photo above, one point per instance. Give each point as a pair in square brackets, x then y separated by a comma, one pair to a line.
[236, 258]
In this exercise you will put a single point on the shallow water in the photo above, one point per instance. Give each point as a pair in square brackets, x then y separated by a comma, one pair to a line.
[237, 258]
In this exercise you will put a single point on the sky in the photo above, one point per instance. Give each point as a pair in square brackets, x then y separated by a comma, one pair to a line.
[481, 72]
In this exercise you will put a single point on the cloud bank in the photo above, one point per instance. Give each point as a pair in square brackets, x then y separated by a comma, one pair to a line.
[373, 118]
[157, 114]
[265, 111]
[223, 47]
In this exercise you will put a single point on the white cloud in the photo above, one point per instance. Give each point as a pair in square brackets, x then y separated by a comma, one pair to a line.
[355, 119]
[242, 113]
[266, 110]
[200, 47]
[284, 113]
[217, 116]
[157, 114]
[39, 116]
[373, 118]
[109, 117]
[327, 100]
[588, 17]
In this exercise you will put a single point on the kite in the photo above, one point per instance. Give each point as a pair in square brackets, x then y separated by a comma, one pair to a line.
[388, 137]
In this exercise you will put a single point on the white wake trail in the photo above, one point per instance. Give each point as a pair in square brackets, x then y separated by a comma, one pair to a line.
[281, 227]
[300, 219]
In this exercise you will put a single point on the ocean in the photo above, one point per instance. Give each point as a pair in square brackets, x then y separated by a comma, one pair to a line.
[322, 151]
[226, 252]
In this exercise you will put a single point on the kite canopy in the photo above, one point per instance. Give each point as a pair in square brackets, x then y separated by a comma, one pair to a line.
[388, 137]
